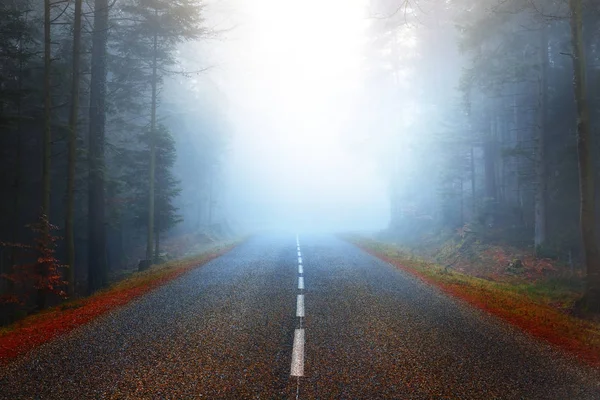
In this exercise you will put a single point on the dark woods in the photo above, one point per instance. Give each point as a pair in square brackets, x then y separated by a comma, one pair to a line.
[516, 155]
[90, 143]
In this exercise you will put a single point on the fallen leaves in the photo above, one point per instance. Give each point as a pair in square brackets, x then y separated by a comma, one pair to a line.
[577, 336]
[41, 328]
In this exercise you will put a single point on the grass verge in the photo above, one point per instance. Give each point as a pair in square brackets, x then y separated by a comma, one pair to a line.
[522, 305]
[40, 328]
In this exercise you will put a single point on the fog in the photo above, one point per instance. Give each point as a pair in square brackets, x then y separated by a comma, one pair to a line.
[293, 75]
[418, 118]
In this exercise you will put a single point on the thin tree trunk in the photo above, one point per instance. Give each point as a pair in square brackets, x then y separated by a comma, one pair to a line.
[72, 148]
[97, 276]
[540, 153]
[591, 300]
[47, 139]
[473, 183]
[210, 199]
[489, 155]
[18, 167]
[462, 202]
[152, 150]
[518, 163]
[157, 243]
[490, 164]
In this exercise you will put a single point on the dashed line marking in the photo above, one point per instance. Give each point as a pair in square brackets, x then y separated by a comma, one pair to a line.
[300, 306]
[297, 367]
[298, 354]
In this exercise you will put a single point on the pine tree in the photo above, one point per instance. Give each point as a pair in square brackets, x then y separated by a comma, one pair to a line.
[157, 27]
[72, 147]
[98, 273]
[166, 186]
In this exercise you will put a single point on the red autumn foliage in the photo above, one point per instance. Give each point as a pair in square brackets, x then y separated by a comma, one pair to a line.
[44, 327]
[45, 273]
[543, 329]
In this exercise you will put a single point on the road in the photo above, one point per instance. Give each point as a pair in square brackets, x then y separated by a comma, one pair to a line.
[233, 329]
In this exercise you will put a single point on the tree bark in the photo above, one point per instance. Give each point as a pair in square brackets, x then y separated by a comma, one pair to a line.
[152, 171]
[473, 183]
[97, 276]
[18, 165]
[540, 151]
[157, 244]
[72, 148]
[591, 299]
[462, 202]
[46, 139]
[489, 156]
[490, 165]
[210, 198]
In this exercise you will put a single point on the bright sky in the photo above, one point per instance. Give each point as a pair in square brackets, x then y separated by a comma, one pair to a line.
[292, 71]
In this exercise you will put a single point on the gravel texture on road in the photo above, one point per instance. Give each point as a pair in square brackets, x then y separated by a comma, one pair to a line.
[222, 331]
[375, 332]
[225, 331]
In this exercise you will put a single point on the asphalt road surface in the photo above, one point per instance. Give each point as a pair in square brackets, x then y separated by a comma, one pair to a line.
[245, 326]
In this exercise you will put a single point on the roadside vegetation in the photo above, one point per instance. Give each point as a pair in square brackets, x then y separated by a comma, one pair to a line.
[36, 329]
[123, 156]
[535, 294]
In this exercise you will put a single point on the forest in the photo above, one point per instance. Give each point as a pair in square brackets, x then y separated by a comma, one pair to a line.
[507, 91]
[338, 199]
[480, 116]
[91, 136]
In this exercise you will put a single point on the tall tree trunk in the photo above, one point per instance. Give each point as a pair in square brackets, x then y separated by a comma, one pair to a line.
[152, 149]
[591, 300]
[462, 202]
[210, 198]
[518, 163]
[490, 165]
[71, 158]
[18, 165]
[473, 183]
[47, 139]
[157, 242]
[489, 155]
[540, 151]
[97, 276]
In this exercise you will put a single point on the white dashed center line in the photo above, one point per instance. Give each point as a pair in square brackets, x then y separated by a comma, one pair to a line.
[300, 306]
[298, 354]
[297, 368]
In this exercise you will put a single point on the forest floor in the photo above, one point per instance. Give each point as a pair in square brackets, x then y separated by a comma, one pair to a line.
[126, 286]
[537, 295]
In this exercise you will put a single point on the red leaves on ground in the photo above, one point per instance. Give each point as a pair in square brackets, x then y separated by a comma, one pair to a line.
[536, 319]
[44, 327]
